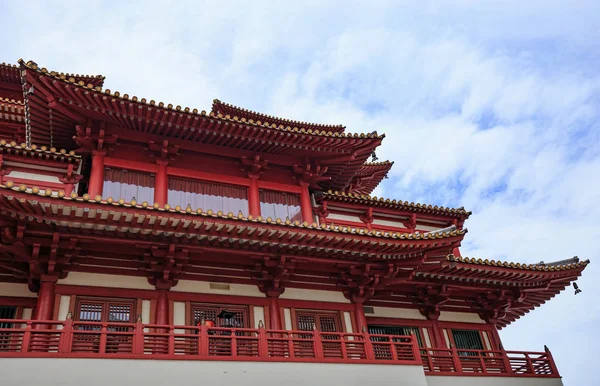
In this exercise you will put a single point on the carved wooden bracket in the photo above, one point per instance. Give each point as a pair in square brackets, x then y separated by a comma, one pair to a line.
[367, 216]
[321, 210]
[3, 169]
[162, 152]
[254, 166]
[273, 274]
[430, 299]
[164, 265]
[70, 177]
[410, 223]
[89, 142]
[311, 174]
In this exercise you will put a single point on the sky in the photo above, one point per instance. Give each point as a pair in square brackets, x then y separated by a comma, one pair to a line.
[490, 105]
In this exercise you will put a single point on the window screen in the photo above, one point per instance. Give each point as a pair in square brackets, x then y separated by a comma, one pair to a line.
[210, 312]
[7, 313]
[397, 330]
[468, 340]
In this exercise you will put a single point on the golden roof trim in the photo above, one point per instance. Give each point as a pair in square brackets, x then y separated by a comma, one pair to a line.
[186, 110]
[267, 116]
[381, 200]
[12, 101]
[36, 191]
[382, 163]
[42, 150]
[506, 264]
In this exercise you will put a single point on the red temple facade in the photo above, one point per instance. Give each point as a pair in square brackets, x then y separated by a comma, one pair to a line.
[226, 244]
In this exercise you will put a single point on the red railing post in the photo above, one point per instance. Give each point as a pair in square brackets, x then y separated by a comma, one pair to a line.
[203, 341]
[369, 353]
[506, 360]
[550, 359]
[342, 339]
[233, 344]
[318, 344]
[415, 348]
[393, 350]
[103, 333]
[291, 345]
[66, 337]
[456, 360]
[138, 337]
[529, 363]
[171, 341]
[263, 342]
[26, 337]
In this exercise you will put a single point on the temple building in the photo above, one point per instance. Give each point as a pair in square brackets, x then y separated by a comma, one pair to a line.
[146, 243]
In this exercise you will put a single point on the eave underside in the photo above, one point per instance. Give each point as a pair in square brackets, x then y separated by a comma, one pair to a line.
[77, 236]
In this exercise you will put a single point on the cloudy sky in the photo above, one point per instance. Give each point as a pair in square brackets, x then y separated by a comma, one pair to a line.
[490, 105]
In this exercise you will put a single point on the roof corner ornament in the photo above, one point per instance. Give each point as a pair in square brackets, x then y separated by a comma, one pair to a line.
[577, 289]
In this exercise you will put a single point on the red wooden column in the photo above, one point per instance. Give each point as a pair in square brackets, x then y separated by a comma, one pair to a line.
[253, 197]
[305, 204]
[359, 315]
[161, 315]
[45, 301]
[274, 314]
[97, 173]
[161, 183]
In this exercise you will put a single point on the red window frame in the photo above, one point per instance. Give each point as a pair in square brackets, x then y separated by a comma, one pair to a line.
[215, 309]
[105, 304]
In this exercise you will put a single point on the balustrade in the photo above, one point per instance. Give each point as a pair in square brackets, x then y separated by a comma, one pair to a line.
[65, 339]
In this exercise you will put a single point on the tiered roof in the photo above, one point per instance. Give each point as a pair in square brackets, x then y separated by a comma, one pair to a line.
[219, 107]
[368, 177]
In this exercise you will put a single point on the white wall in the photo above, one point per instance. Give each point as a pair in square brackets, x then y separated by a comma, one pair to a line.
[203, 287]
[314, 295]
[16, 289]
[492, 381]
[400, 313]
[32, 176]
[463, 317]
[117, 372]
[102, 280]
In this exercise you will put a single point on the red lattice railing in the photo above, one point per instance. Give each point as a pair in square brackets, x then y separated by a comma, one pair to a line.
[28, 338]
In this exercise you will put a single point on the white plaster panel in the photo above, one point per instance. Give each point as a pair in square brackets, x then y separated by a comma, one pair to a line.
[314, 295]
[16, 289]
[492, 381]
[287, 318]
[63, 307]
[388, 223]
[203, 287]
[33, 176]
[102, 280]
[27, 312]
[123, 372]
[399, 313]
[427, 228]
[259, 314]
[425, 333]
[145, 311]
[179, 316]
[179, 313]
[462, 317]
[348, 321]
[343, 217]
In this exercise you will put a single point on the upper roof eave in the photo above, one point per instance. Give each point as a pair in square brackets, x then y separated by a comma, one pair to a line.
[395, 204]
[374, 136]
[96, 80]
[226, 108]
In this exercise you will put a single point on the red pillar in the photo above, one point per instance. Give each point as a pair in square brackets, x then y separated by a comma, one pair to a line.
[305, 204]
[253, 198]
[361, 319]
[162, 308]
[96, 174]
[45, 301]
[161, 184]
[274, 314]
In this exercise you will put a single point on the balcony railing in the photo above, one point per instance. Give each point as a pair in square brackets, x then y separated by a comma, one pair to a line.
[73, 339]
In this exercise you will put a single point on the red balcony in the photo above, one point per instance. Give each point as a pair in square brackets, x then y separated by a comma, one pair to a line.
[71, 339]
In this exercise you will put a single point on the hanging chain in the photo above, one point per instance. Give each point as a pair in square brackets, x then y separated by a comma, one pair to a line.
[26, 93]
[51, 130]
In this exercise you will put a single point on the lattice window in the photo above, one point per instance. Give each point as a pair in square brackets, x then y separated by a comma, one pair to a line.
[396, 330]
[210, 312]
[7, 312]
[324, 322]
[468, 340]
[104, 310]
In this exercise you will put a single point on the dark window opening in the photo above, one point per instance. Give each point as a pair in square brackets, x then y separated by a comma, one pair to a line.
[396, 330]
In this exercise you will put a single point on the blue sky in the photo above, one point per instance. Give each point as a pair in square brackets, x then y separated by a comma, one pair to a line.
[490, 105]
